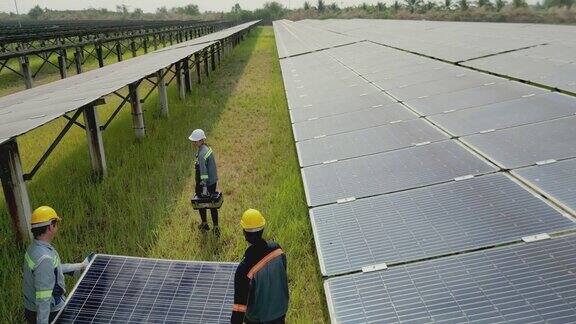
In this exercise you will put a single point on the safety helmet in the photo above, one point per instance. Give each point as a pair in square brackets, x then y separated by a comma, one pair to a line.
[252, 221]
[43, 216]
[197, 135]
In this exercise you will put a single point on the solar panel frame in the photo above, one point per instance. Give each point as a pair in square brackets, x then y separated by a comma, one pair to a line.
[367, 141]
[556, 181]
[527, 282]
[512, 148]
[198, 289]
[431, 221]
[404, 169]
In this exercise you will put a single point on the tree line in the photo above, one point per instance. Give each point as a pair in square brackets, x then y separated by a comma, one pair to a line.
[548, 11]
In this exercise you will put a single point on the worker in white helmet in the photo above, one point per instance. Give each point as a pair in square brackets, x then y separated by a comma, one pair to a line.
[206, 177]
[44, 286]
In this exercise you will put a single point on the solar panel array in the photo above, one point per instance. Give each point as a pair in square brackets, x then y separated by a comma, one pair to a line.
[406, 158]
[119, 289]
[25, 110]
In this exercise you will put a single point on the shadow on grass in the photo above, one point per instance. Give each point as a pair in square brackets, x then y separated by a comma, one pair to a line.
[120, 215]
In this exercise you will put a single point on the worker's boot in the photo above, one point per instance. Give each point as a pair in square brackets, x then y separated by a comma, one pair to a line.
[204, 227]
[216, 230]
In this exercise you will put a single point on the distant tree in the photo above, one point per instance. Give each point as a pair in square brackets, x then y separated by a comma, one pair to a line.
[122, 9]
[35, 12]
[236, 9]
[307, 5]
[396, 6]
[364, 6]
[464, 5]
[447, 4]
[484, 4]
[191, 10]
[413, 5]
[162, 10]
[381, 6]
[519, 3]
[429, 5]
[500, 4]
[137, 13]
[333, 7]
[559, 3]
[321, 6]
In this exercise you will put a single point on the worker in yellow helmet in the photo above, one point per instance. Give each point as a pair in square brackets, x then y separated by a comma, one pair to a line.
[44, 286]
[260, 282]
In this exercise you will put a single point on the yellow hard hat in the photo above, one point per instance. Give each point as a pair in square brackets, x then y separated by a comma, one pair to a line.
[43, 216]
[252, 221]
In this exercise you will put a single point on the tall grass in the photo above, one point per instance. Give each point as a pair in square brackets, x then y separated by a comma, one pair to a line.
[142, 207]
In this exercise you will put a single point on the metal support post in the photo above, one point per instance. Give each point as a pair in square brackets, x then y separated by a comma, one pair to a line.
[145, 44]
[162, 93]
[133, 48]
[94, 139]
[62, 64]
[26, 71]
[206, 63]
[187, 78]
[218, 49]
[197, 62]
[180, 80]
[137, 114]
[78, 60]
[100, 55]
[15, 191]
[119, 51]
[213, 57]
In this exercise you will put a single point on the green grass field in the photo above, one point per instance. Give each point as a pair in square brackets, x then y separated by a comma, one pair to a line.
[142, 207]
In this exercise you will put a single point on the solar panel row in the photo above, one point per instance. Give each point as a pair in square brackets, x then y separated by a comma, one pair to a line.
[390, 146]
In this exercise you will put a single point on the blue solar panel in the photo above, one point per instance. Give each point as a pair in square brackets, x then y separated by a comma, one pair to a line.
[119, 289]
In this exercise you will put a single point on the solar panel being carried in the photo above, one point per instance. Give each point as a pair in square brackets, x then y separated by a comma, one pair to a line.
[429, 221]
[525, 283]
[137, 290]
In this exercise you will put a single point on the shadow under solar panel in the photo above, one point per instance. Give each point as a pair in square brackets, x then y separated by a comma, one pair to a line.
[124, 289]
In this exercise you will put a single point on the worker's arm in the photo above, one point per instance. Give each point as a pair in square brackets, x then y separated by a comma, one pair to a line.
[203, 168]
[72, 267]
[241, 291]
[44, 280]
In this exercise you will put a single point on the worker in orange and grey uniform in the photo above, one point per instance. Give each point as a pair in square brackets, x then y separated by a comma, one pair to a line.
[206, 177]
[260, 282]
[44, 287]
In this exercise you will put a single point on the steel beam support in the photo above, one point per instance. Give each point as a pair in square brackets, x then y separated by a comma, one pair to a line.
[206, 63]
[62, 63]
[137, 113]
[162, 93]
[197, 62]
[95, 143]
[99, 55]
[15, 192]
[26, 71]
[213, 57]
[187, 78]
[119, 51]
[180, 80]
[78, 60]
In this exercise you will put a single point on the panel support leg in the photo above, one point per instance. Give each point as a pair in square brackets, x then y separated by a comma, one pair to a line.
[162, 93]
[137, 113]
[15, 191]
[78, 60]
[62, 64]
[95, 143]
[197, 62]
[26, 71]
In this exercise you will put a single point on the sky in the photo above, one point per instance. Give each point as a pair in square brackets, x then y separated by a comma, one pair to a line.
[151, 5]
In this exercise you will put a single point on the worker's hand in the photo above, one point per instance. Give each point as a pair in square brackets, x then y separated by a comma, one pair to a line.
[204, 191]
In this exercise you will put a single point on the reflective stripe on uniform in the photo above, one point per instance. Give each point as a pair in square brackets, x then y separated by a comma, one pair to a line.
[56, 262]
[29, 261]
[204, 177]
[262, 263]
[44, 294]
[239, 308]
[208, 154]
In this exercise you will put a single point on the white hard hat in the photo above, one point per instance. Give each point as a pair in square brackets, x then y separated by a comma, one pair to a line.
[197, 135]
